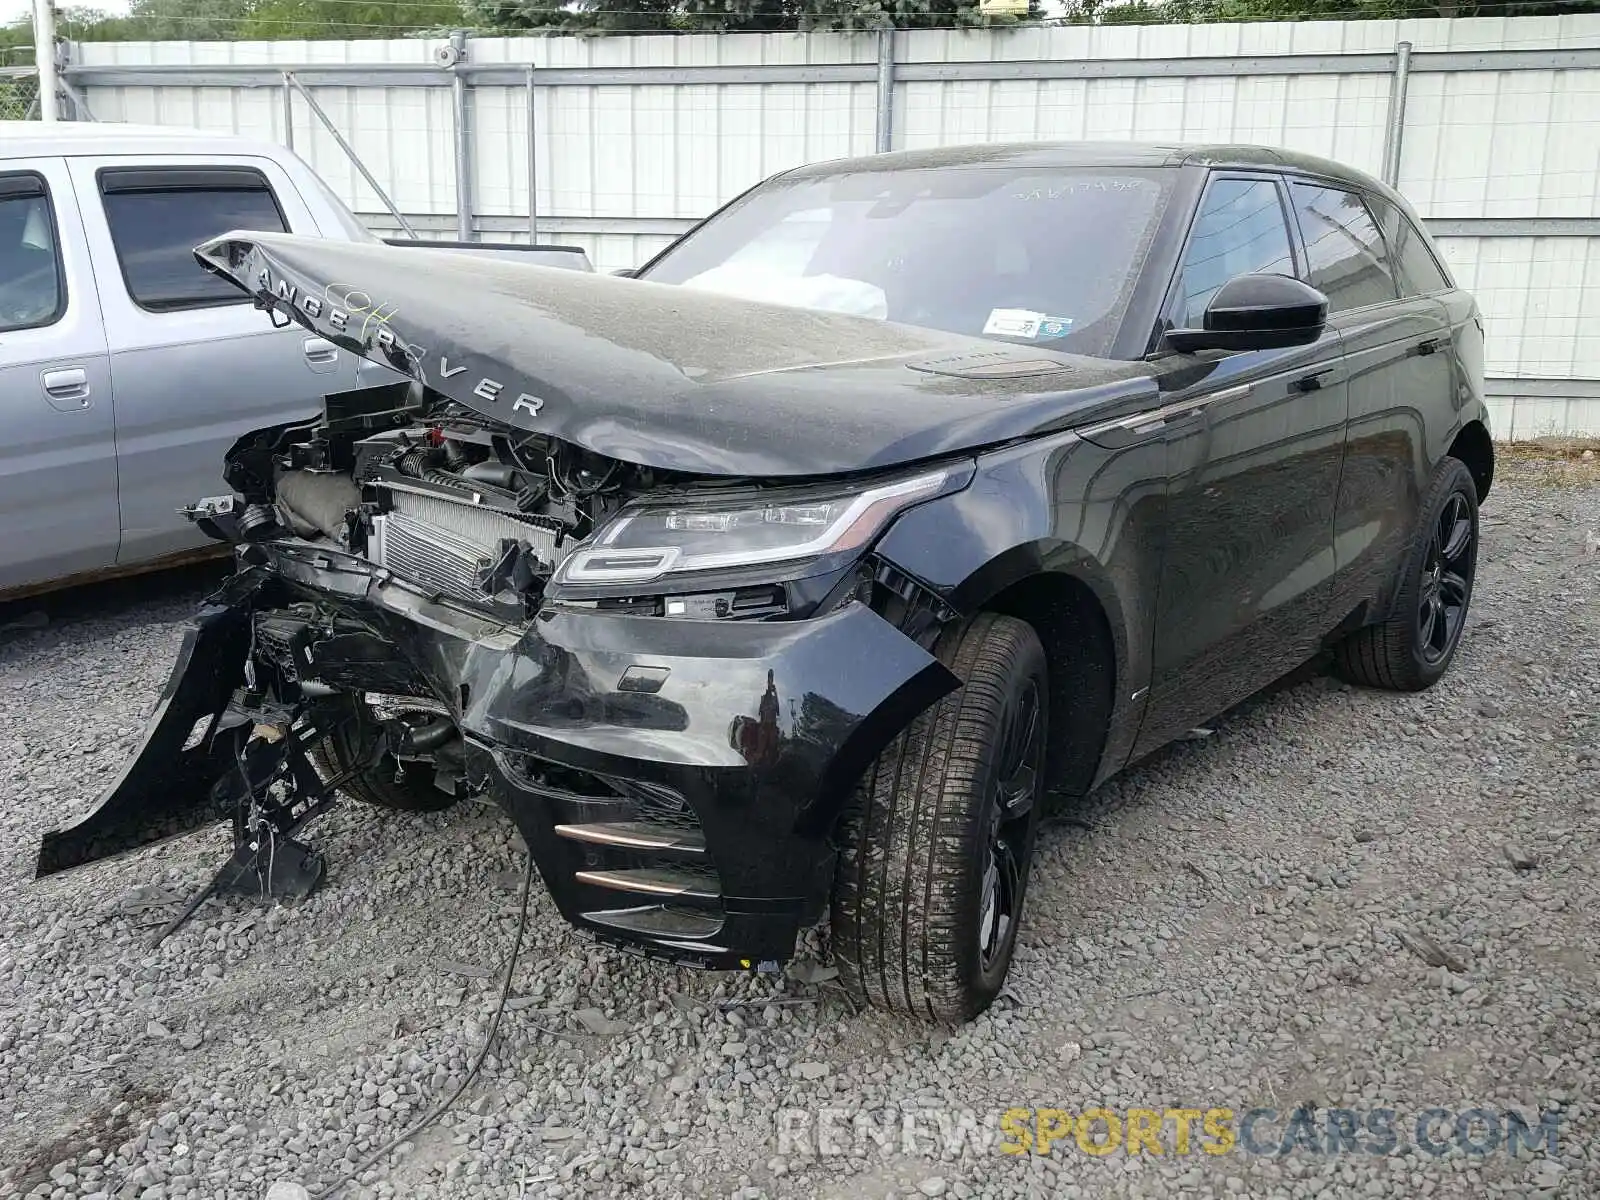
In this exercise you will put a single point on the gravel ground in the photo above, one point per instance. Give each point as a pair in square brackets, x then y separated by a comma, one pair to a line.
[1242, 920]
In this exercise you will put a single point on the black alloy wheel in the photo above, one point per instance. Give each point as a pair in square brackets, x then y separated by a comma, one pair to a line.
[1010, 821]
[1446, 580]
[1414, 645]
[935, 845]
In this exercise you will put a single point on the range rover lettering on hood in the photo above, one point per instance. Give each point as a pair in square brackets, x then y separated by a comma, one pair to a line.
[670, 377]
[339, 305]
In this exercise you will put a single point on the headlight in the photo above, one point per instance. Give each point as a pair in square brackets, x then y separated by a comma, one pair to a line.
[643, 543]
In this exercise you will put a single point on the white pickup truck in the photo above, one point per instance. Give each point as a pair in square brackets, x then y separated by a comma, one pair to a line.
[126, 370]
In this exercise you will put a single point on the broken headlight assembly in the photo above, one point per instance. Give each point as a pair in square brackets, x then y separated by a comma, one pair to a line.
[770, 534]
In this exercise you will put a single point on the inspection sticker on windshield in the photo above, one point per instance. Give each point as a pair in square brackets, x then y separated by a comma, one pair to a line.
[1013, 322]
[1022, 322]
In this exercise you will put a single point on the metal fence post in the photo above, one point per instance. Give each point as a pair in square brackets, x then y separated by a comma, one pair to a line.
[1395, 133]
[459, 85]
[533, 165]
[44, 58]
[885, 100]
[79, 107]
[288, 111]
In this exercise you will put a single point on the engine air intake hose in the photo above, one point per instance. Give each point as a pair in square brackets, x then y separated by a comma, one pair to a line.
[316, 500]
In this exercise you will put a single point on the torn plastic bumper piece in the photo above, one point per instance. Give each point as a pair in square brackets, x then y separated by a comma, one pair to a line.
[677, 781]
[167, 788]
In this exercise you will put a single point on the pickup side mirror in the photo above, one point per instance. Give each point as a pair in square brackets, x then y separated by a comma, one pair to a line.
[1257, 312]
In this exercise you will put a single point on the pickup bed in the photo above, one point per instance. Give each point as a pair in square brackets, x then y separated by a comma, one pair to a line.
[127, 371]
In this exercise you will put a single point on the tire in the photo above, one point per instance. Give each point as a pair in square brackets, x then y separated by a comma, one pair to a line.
[1414, 647]
[912, 926]
[350, 742]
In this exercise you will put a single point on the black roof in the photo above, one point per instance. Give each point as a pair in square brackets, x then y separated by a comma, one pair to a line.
[1096, 154]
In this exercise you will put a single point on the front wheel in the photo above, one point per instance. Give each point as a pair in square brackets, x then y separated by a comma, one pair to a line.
[936, 843]
[1414, 647]
[359, 750]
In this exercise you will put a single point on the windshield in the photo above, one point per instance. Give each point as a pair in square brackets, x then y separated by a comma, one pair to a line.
[1045, 256]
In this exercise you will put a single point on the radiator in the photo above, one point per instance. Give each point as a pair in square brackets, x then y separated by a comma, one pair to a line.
[443, 545]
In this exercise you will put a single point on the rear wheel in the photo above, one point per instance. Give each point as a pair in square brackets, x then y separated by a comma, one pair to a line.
[360, 749]
[937, 840]
[1414, 647]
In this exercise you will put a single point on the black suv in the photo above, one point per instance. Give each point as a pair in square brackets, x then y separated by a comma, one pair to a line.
[790, 575]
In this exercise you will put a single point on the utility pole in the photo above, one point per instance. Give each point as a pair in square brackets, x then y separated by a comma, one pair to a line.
[44, 57]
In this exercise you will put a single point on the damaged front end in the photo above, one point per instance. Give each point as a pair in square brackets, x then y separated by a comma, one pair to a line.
[670, 681]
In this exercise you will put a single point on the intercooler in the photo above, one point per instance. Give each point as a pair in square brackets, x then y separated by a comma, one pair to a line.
[444, 546]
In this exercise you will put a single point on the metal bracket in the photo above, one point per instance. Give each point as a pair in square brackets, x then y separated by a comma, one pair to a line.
[274, 792]
[289, 81]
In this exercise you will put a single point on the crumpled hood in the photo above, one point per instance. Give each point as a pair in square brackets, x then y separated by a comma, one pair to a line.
[672, 377]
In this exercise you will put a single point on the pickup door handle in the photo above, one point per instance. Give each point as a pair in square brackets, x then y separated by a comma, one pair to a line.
[68, 383]
[320, 352]
[1427, 345]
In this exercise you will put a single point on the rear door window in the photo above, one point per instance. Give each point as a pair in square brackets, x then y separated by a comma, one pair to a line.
[158, 215]
[1416, 270]
[1239, 230]
[1344, 251]
[33, 290]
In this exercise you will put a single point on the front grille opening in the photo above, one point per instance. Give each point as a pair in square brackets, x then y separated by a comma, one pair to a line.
[633, 799]
[764, 603]
[542, 775]
[657, 805]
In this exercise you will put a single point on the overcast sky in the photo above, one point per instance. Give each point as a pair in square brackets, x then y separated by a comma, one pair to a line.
[11, 10]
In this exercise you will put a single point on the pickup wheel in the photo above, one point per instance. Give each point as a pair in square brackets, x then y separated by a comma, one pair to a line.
[405, 787]
[1414, 647]
[937, 839]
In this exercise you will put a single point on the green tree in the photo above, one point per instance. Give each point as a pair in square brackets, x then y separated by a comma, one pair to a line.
[273, 19]
[730, 16]
[247, 20]
[1187, 12]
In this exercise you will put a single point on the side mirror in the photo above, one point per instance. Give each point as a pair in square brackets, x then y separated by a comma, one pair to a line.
[1257, 312]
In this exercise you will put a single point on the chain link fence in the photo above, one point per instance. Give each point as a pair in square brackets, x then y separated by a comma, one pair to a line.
[19, 95]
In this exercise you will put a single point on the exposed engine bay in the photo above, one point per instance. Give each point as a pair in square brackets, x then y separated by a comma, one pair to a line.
[436, 498]
[429, 489]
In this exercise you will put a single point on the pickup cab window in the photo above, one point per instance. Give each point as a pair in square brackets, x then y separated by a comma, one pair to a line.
[158, 215]
[32, 290]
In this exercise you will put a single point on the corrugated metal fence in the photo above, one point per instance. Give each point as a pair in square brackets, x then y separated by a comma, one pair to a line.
[1490, 126]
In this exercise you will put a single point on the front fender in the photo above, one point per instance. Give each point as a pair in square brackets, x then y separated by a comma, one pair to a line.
[1060, 508]
[1057, 505]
